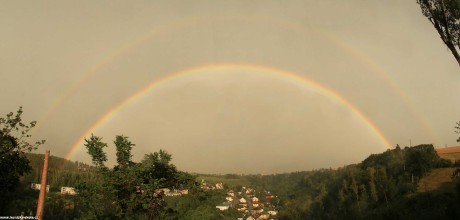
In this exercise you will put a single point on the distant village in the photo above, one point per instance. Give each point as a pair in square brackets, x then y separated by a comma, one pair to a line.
[246, 202]
[252, 207]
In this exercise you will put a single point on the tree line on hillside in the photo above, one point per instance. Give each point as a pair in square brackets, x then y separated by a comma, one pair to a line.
[129, 190]
[61, 172]
[383, 186]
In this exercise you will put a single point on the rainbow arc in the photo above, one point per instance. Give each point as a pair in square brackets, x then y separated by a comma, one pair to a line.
[283, 74]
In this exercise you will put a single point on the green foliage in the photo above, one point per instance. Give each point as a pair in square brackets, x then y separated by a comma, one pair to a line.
[94, 200]
[380, 187]
[130, 190]
[95, 148]
[421, 159]
[13, 161]
[199, 204]
[61, 172]
[59, 206]
[373, 189]
[124, 147]
[424, 206]
[24, 202]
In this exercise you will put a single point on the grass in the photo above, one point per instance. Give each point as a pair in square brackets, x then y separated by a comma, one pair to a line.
[449, 153]
[437, 179]
[451, 156]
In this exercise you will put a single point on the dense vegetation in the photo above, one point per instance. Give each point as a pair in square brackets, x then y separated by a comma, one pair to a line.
[14, 135]
[382, 186]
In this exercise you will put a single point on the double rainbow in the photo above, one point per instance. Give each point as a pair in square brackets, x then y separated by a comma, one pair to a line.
[282, 74]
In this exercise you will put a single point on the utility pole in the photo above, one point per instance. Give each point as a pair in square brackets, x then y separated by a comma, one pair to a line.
[41, 197]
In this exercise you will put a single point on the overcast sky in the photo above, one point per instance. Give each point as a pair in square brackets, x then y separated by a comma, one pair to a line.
[68, 63]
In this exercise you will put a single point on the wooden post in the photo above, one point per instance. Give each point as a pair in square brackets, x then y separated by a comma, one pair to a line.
[41, 197]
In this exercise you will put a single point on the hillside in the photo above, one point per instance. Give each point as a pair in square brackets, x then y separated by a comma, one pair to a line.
[395, 184]
[61, 172]
[440, 179]
[449, 153]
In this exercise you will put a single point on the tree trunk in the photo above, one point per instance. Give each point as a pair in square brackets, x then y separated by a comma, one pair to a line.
[449, 39]
[442, 27]
[454, 52]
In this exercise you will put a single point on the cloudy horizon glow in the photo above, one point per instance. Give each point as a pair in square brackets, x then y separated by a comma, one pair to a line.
[70, 64]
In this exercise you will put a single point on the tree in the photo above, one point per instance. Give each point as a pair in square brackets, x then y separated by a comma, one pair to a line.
[13, 146]
[95, 146]
[421, 159]
[129, 190]
[355, 189]
[458, 130]
[445, 17]
[124, 147]
[372, 188]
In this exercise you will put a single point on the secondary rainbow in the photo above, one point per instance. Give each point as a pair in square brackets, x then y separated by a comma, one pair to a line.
[181, 24]
[268, 70]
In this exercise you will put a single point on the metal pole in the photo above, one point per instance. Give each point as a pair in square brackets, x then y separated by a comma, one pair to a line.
[41, 197]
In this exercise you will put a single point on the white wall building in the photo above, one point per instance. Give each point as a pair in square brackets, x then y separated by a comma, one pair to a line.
[38, 186]
[68, 190]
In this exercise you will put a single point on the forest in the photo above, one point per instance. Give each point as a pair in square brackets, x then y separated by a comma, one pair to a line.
[382, 186]
[81, 58]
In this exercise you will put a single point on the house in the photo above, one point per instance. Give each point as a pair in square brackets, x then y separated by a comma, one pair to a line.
[273, 212]
[219, 186]
[269, 197]
[231, 193]
[224, 206]
[254, 216]
[174, 192]
[184, 192]
[264, 215]
[68, 190]
[243, 201]
[255, 199]
[241, 208]
[257, 210]
[206, 186]
[229, 198]
[37, 186]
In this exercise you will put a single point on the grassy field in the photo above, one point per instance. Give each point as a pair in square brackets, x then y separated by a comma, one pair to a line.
[437, 179]
[451, 156]
[449, 153]
[440, 179]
